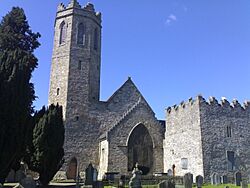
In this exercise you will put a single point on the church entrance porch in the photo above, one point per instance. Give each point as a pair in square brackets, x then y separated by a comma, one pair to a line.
[140, 149]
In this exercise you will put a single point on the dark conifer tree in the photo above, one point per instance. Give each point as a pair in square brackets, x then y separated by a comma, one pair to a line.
[46, 151]
[17, 62]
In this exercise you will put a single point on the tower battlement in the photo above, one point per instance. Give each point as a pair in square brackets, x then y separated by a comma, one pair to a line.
[211, 102]
[88, 8]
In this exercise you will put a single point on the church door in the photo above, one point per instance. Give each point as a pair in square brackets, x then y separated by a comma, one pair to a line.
[140, 149]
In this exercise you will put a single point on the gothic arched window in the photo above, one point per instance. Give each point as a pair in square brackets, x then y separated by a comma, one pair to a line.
[96, 39]
[63, 31]
[81, 34]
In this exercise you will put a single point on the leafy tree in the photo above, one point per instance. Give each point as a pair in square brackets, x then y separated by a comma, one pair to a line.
[17, 62]
[46, 150]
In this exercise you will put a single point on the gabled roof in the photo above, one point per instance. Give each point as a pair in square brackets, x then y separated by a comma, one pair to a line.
[126, 98]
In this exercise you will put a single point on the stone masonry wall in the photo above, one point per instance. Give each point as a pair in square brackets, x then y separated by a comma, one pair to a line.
[118, 138]
[215, 117]
[183, 139]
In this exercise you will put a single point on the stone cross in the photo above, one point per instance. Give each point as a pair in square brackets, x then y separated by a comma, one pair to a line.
[135, 181]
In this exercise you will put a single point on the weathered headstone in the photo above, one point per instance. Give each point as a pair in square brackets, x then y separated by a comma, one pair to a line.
[28, 182]
[121, 181]
[89, 175]
[95, 174]
[188, 180]
[135, 181]
[244, 184]
[170, 172]
[99, 184]
[199, 181]
[215, 179]
[224, 179]
[166, 184]
[237, 177]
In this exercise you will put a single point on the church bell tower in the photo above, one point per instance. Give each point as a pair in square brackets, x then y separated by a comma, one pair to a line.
[75, 68]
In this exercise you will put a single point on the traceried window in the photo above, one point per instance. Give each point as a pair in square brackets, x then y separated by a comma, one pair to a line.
[96, 39]
[229, 131]
[63, 31]
[184, 163]
[81, 34]
[230, 160]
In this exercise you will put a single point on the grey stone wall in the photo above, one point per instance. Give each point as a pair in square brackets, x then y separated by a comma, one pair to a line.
[119, 135]
[215, 117]
[197, 130]
[183, 138]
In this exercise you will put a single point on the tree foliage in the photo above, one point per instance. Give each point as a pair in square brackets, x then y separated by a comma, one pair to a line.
[17, 62]
[46, 150]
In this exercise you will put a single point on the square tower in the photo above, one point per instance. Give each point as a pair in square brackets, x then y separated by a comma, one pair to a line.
[75, 69]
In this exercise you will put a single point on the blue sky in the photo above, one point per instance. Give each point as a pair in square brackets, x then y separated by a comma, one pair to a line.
[172, 49]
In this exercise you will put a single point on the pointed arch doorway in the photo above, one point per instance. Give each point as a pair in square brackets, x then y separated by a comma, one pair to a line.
[140, 149]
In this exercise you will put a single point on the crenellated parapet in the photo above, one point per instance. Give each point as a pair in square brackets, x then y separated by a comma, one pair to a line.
[211, 103]
[89, 7]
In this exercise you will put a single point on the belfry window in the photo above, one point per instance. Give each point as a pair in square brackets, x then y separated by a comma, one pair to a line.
[63, 31]
[57, 91]
[96, 39]
[229, 131]
[81, 34]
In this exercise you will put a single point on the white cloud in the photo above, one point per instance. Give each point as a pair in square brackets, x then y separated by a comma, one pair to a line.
[171, 18]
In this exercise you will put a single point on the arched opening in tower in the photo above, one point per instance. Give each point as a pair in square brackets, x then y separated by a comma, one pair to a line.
[140, 149]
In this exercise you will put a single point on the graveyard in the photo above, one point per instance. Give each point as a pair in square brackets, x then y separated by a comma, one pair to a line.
[83, 141]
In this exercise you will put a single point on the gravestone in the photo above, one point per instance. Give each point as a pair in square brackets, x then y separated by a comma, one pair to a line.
[215, 179]
[135, 180]
[95, 174]
[188, 180]
[237, 177]
[170, 172]
[166, 184]
[121, 181]
[244, 184]
[199, 181]
[89, 175]
[224, 179]
[28, 182]
[99, 184]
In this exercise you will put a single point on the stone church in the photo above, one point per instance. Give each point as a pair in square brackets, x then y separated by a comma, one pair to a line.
[112, 135]
[200, 137]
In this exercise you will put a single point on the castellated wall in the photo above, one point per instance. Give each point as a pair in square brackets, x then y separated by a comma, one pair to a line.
[204, 132]
[182, 143]
[216, 118]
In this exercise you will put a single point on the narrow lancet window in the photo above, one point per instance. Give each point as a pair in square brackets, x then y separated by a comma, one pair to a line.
[57, 91]
[229, 131]
[81, 34]
[63, 31]
[96, 39]
[79, 65]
